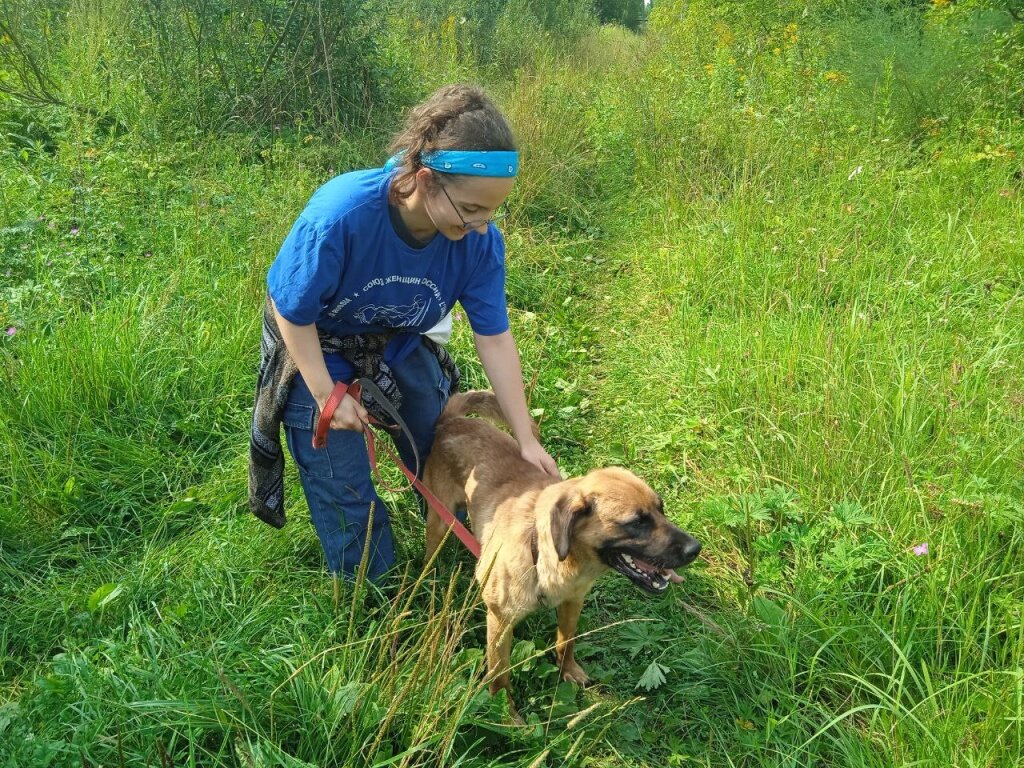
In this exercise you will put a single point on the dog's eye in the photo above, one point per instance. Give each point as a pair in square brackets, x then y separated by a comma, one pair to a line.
[639, 524]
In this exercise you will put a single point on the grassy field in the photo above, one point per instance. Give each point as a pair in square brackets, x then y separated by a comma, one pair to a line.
[770, 261]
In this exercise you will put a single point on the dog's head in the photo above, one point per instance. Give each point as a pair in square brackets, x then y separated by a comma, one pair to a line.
[614, 516]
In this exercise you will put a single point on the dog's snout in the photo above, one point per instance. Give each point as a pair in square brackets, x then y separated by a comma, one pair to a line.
[690, 550]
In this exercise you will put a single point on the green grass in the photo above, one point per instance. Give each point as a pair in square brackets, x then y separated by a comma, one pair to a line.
[817, 366]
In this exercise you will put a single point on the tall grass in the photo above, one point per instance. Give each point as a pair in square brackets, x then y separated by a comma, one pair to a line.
[766, 256]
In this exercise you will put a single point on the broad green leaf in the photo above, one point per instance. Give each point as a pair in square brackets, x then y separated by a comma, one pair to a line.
[653, 677]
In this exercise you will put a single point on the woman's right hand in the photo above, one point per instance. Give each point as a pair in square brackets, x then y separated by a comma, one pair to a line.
[349, 414]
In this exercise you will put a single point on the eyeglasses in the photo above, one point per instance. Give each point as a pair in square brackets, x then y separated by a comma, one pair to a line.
[499, 214]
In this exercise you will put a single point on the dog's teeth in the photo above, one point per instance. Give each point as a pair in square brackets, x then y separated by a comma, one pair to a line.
[628, 559]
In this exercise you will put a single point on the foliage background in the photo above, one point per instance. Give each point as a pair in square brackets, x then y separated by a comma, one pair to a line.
[766, 254]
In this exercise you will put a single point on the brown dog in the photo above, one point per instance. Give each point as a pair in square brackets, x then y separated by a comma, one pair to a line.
[544, 542]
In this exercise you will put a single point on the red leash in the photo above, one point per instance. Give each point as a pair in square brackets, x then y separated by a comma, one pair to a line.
[320, 440]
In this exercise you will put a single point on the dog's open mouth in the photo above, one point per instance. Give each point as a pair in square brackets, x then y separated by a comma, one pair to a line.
[647, 576]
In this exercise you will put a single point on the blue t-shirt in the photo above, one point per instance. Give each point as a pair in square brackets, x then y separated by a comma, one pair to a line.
[344, 268]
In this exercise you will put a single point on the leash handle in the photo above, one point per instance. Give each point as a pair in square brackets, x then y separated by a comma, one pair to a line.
[333, 401]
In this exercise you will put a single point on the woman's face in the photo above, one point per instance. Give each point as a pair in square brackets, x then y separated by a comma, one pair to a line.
[465, 204]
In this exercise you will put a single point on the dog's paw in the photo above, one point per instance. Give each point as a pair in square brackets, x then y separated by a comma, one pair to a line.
[515, 718]
[573, 673]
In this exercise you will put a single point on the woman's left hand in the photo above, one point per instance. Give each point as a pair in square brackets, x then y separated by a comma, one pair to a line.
[534, 453]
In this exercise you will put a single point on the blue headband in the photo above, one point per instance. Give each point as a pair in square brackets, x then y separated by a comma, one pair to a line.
[480, 163]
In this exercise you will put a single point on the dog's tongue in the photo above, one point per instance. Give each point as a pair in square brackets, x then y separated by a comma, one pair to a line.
[668, 573]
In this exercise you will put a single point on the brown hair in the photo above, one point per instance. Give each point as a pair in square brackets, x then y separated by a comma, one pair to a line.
[459, 116]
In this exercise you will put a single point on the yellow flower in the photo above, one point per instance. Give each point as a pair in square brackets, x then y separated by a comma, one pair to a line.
[724, 34]
[931, 126]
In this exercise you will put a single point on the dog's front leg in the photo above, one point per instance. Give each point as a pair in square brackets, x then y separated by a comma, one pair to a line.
[565, 645]
[499, 654]
[435, 533]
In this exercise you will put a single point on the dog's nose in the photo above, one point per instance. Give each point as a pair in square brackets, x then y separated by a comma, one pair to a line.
[691, 548]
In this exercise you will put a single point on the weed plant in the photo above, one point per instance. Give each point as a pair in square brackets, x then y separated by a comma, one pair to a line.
[766, 255]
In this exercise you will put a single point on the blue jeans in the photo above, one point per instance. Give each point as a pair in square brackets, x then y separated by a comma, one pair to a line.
[336, 479]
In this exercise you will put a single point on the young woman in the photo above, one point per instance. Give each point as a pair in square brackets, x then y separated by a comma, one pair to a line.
[364, 285]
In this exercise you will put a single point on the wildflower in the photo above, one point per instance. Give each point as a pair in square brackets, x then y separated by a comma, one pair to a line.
[921, 549]
[11, 331]
[74, 231]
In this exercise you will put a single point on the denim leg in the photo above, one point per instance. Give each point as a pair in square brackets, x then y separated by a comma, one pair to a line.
[339, 490]
[425, 391]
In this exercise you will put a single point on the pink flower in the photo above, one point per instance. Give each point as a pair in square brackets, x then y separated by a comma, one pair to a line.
[921, 549]
[11, 331]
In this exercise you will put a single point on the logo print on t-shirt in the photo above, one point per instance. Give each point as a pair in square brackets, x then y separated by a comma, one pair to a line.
[392, 316]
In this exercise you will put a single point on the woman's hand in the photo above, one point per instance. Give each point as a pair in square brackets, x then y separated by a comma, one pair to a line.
[304, 346]
[500, 359]
[534, 453]
[349, 414]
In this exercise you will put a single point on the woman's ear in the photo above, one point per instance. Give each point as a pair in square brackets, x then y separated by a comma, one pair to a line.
[426, 180]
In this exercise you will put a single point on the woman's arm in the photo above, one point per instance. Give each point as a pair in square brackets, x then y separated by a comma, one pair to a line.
[304, 346]
[500, 359]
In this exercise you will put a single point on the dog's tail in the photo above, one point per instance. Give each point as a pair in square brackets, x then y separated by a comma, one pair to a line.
[479, 402]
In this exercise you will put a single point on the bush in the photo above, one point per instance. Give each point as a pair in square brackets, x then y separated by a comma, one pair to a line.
[207, 65]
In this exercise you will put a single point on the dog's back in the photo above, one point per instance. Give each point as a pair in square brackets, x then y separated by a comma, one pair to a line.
[477, 402]
[473, 463]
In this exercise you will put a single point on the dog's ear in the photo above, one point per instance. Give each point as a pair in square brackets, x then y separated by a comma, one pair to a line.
[564, 516]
